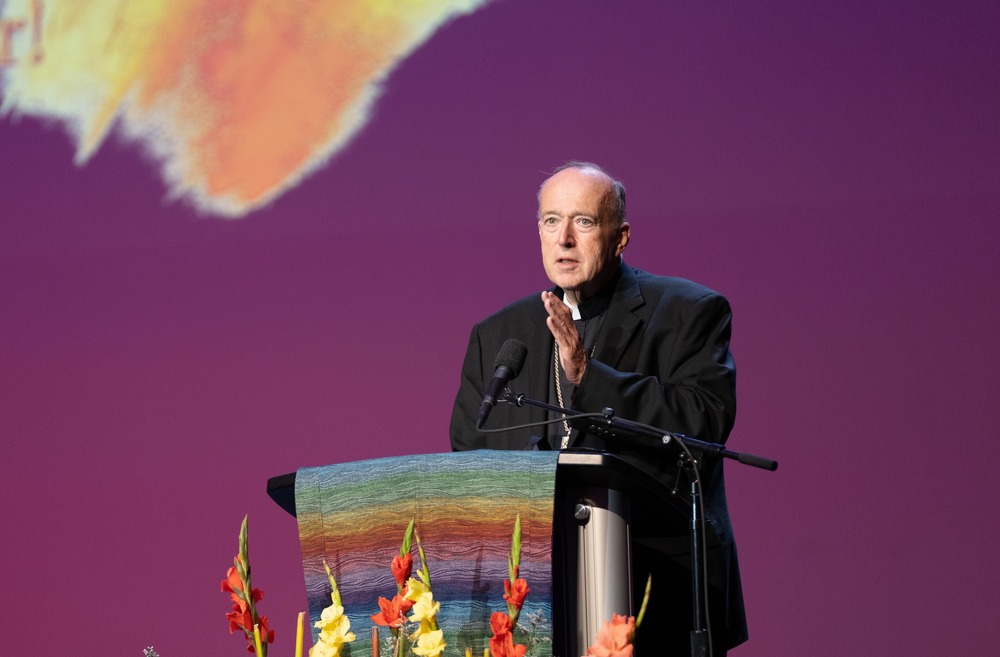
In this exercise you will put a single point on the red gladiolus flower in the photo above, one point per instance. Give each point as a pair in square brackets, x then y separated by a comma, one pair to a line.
[239, 619]
[393, 612]
[244, 610]
[402, 566]
[266, 635]
[614, 639]
[233, 583]
[516, 593]
[502, 644]
[500, 623]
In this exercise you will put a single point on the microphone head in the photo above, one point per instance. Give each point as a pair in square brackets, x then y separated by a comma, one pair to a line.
[512, 354]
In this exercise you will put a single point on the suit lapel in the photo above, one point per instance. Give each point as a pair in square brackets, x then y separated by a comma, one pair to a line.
[621, 323]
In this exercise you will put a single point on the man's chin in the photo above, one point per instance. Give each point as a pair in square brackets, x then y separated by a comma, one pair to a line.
[566, 284]
[567, 280]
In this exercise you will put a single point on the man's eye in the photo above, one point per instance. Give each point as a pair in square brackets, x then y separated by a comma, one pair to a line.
[585, 222]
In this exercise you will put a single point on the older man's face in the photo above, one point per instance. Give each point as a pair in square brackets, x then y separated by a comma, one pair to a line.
[580, 246]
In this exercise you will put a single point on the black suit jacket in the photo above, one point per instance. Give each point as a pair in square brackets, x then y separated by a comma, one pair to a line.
[662, 358]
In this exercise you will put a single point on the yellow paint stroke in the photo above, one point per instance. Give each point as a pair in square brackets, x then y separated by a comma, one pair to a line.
[237, 99]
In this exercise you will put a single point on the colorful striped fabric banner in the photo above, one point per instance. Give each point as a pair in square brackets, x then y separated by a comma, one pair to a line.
[354, 515]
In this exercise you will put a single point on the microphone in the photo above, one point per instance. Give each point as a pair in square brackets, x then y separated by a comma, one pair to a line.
[507, 366]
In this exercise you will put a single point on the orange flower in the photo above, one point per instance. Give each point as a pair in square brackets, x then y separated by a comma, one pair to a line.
[500, 623]
[244, 613]
[233, 585]
[266, 635]
[516, 593]
[614, 639]
[502, 644]
[402, 566]
[393, 612]
[240, 619]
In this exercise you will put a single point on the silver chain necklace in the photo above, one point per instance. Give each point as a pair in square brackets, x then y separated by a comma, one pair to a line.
[564, 443]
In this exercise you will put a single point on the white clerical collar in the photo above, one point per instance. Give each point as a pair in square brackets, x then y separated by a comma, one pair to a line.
[574, 309]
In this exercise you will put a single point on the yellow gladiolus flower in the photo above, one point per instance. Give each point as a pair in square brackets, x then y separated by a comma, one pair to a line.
[331, 618]
[425, 609]
[430, 644]
[415, 588]
[334, 632]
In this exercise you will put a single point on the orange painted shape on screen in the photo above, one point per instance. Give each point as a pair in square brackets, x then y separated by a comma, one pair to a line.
[236, 100]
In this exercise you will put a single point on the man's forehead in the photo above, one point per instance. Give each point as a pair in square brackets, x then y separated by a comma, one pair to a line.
[572, 192]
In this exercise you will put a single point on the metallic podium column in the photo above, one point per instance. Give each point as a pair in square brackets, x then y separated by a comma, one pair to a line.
[604, 567]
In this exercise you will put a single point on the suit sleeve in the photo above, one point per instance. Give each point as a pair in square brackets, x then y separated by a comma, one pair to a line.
[686, 378]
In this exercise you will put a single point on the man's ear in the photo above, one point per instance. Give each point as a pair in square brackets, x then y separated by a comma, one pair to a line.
[623, 236]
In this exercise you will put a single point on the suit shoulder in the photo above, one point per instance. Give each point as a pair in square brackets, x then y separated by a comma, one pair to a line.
[661, 288]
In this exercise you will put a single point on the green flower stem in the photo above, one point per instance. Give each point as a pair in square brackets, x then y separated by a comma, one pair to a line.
[425, 573]
[334, 591]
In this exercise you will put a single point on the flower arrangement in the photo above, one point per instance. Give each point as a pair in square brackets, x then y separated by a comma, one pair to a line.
[418, 633]
[244, 614]
[416, 595]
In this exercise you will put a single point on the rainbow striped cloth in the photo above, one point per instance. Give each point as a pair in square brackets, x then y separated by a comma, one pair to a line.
[354, 515]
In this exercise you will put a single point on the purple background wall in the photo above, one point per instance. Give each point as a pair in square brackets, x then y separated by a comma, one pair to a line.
[832, 168]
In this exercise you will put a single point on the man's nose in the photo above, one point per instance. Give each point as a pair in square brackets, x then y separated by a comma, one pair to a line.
[566, 237]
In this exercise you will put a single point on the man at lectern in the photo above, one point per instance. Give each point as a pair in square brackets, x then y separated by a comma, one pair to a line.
[653, 348]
